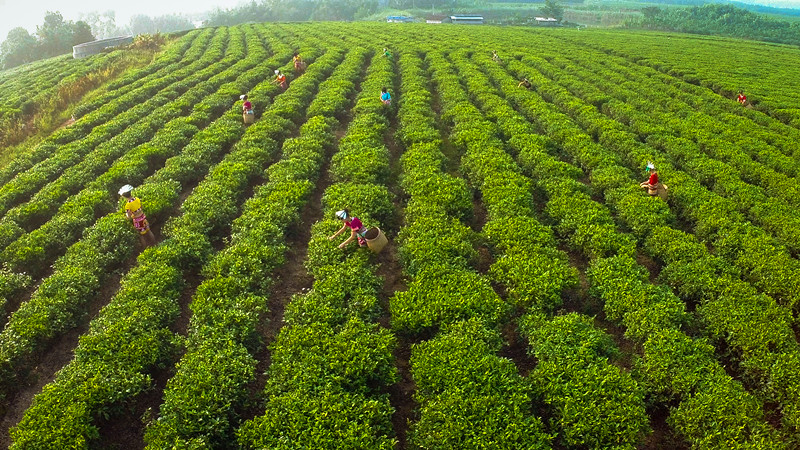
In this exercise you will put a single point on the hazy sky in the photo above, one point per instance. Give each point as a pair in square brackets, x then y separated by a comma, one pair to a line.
[795, 4]
[29, 13]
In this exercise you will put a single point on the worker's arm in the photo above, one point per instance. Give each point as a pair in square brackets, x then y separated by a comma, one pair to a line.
[349, 240]
[344, 227]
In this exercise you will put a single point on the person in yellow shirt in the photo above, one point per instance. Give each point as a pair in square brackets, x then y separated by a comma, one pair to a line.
[299, 64]
[134, 212]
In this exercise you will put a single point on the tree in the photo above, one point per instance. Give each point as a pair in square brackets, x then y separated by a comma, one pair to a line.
[18, 48]
[141, 24]
[81, 32]
[172, 22]
[55, 35]
[552, 8]
[651, 11]
[104, 25]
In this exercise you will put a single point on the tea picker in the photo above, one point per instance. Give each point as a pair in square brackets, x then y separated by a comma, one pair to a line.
[247, 110]
[357, 229]
[134, 212]
[741, 98]
[652, 182]
[299, 65]
[280, 79]
[386, 97]
[653, 185]
[372, 238]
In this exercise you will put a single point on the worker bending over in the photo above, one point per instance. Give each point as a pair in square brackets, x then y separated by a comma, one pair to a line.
[247, 110]
[280, 79]
[741, 98]
[357, 229]
[386, 97]
[652, 182]
[299, 65]
[134, 212]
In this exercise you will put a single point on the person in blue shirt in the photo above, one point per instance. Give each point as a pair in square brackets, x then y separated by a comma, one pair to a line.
[386, 97]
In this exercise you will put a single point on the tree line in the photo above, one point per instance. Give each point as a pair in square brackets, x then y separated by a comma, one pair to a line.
[104, 24]
[55, 36]
[302, 10]
[720, 20]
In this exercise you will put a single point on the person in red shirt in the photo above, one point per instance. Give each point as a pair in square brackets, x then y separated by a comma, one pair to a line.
[741, 98]
[247, 110]
[652, 182]
[280, 79]
[357, 229]
[247, 107]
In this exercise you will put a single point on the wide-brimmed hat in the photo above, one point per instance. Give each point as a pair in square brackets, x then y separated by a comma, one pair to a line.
[125, 189]
[342, 215]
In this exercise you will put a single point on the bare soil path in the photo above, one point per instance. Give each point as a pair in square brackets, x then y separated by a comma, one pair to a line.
[54, 358]
[401, 393]
[125, 430]
[290, 279]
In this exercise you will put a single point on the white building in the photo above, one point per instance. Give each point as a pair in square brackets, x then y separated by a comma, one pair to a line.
[546, 21]
[472, 20]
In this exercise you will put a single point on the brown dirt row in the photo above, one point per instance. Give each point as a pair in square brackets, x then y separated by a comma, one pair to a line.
[515, 347]
[578, 300]
[401, 393]
[61, 353]
[292, 277]
[53, 358]
[125, 430]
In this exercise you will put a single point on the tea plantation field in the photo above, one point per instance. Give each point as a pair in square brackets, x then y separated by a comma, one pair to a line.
[532, 295]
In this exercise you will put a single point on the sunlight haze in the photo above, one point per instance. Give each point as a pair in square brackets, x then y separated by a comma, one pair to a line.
[26, 14]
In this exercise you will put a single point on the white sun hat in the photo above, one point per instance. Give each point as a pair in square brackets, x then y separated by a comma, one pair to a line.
[125, 189]
[342, 215]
